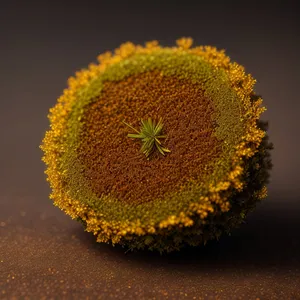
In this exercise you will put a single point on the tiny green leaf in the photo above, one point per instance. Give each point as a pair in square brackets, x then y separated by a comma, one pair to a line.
[150, 133]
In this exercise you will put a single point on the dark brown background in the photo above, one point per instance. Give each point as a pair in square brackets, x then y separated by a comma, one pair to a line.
[43, 253]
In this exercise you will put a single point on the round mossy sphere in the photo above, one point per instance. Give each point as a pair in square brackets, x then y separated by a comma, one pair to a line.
[158, 147]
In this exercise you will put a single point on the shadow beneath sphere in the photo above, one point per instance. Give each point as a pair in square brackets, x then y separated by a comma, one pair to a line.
[269, 238]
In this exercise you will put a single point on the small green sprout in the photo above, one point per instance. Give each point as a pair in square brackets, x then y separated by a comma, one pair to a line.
[150, 133]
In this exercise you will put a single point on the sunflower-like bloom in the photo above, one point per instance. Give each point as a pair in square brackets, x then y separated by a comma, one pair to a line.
[205, 154]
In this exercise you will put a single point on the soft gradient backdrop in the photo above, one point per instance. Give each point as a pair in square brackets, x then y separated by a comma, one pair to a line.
[42, 44]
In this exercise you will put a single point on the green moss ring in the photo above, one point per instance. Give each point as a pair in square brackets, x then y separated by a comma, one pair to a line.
[158, 147]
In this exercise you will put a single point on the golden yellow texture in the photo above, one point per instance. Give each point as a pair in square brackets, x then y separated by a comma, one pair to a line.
[242, 84]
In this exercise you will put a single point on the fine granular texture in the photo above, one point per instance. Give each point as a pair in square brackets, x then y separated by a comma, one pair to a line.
[201, 109]
[114, 163]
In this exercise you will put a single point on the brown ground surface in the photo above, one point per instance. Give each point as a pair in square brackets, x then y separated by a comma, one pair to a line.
[44, 44]
[45, 255]
[114, 163]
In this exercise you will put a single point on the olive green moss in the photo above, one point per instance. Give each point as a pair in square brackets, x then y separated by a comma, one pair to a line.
[215, 84]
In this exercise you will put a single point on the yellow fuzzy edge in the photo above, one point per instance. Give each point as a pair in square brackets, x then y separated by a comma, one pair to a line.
[242, 84]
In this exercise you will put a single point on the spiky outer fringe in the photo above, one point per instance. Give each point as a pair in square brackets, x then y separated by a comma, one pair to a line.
[219, 196]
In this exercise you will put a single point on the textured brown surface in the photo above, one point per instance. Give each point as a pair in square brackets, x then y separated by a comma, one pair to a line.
[114, 163]
[43, 256]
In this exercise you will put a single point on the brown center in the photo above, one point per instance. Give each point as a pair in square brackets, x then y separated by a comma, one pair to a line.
[113, 162]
